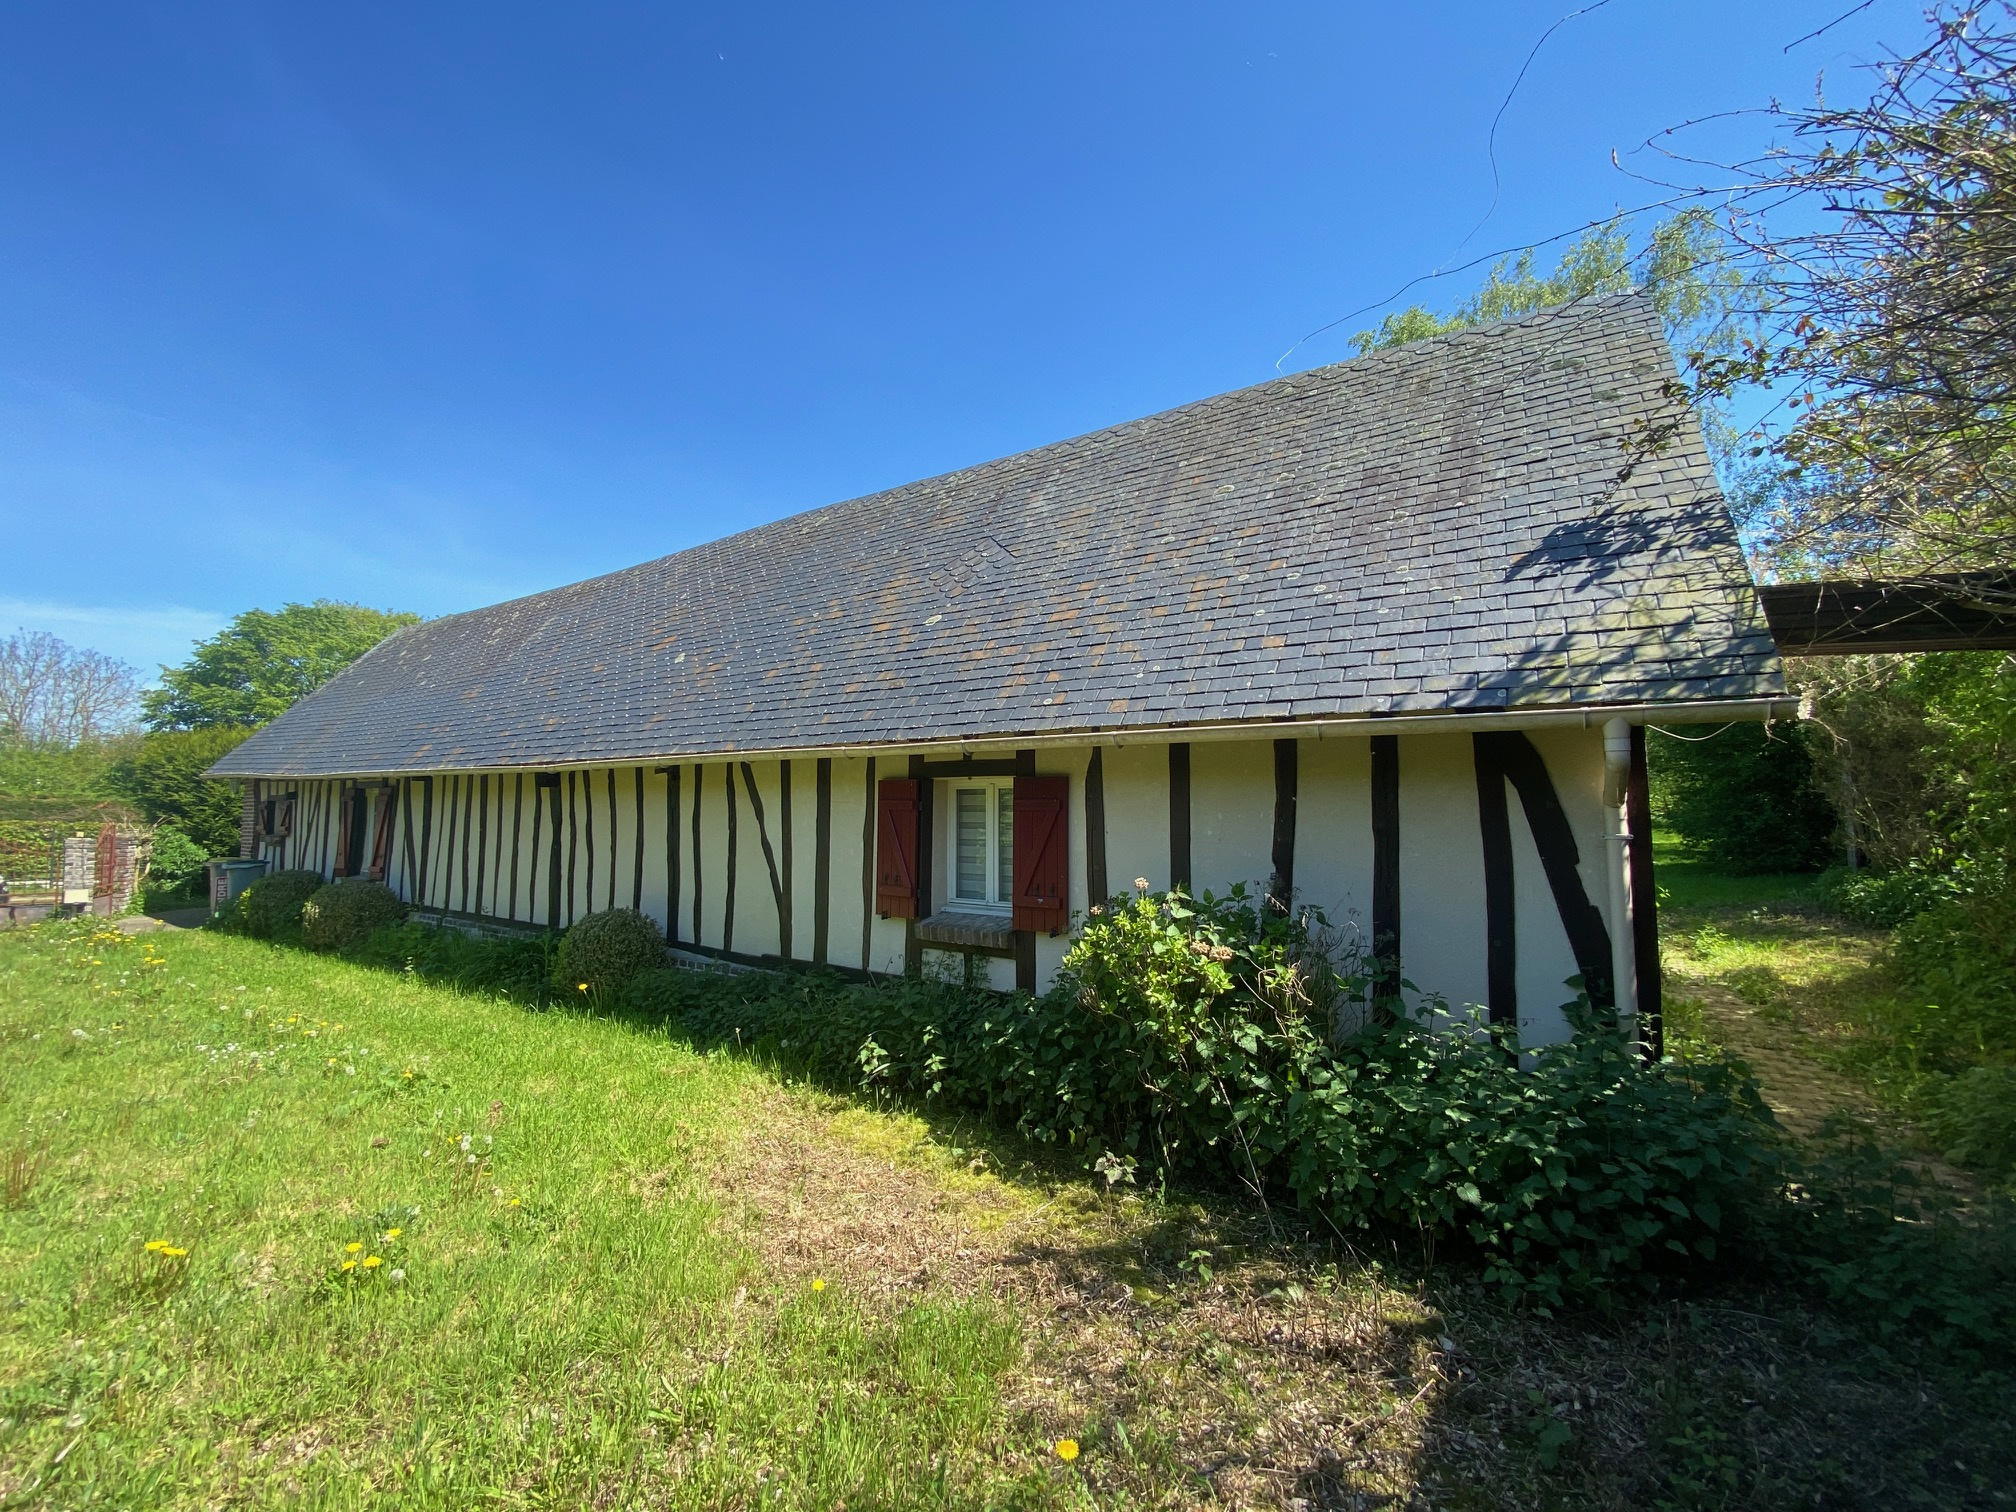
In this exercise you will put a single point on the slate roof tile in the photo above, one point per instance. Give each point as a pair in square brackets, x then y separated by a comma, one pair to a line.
[1458, 523]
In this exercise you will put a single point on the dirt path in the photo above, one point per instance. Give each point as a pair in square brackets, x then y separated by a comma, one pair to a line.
[1802, 1091]
[1248, 1382]
[1202, 1361]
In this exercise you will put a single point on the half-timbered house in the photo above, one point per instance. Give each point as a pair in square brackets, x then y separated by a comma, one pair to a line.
[1380, 638]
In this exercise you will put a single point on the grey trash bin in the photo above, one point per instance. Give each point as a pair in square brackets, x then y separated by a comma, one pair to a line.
[230, 878]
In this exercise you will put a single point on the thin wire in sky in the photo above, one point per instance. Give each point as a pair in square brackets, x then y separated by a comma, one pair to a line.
[1491, 154]
[1491, 141]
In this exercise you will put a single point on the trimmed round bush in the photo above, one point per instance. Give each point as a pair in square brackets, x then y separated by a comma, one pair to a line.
[271, 907]
[345, 914]
[603, 951]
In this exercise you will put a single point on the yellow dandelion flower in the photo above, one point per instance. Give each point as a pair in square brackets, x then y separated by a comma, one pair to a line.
[349, 1265]
[582, 985]
[372, 1262]
[393, 1233]
[818, 1283]
[157, 1244]
[515, 1203]
[1067, 1450]
[352, 1247]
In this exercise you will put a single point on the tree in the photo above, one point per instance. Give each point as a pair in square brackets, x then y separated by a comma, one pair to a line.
[53, 694]
[1744, 797]
[1882, 237]
[164, 779]
[1682, 265]
[263, 662]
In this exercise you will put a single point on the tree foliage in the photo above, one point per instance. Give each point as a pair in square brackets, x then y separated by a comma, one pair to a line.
[163, 778]
[1882, 239]
[1680, 266]
[1744, 797]
[263, 662]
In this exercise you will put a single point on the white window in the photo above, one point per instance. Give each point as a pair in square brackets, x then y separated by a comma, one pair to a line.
[983, 843]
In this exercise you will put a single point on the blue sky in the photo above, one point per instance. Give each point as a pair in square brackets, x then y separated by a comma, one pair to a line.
[427, 306]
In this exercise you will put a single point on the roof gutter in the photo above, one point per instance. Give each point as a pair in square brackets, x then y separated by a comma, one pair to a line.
[1355, 727]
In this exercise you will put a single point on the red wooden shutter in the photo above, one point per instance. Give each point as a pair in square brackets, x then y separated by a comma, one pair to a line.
[343, 808]
[1042, 855]
[381, 839]
[896, 847]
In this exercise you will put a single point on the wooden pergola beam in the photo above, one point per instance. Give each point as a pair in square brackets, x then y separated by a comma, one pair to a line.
[1947, 611]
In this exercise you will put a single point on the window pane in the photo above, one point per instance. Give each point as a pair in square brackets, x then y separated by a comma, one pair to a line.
[1005, 829]
[969, 844]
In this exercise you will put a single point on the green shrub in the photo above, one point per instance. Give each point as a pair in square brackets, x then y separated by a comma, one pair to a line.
[514, 966]
[1960, 956]
[174, 860]
[1193, 1037]
[163, 776]
[343, 915]
[1894, 1250]
[1745, 798]
[1972, 1117]
[602, 952]
[1884, 898]
[270, 909]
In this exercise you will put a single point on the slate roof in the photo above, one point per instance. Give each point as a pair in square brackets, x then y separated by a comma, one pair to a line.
[1517, 516]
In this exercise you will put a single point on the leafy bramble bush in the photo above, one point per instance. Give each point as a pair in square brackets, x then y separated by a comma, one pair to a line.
[1583, 1169]
[270, 909]
[1884, 898]
[1972, 1118]
[1895, 1250]
[1961, 956]
[604, 951]
[343, 915]
[1194, 1037]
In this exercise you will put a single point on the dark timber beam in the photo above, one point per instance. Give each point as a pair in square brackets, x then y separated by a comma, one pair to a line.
[1945, 611]
[1281, 889]
[1385, 875]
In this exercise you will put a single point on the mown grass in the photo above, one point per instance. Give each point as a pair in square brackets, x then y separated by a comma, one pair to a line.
[1761, 967]
[558, 1319]
[614, 1304]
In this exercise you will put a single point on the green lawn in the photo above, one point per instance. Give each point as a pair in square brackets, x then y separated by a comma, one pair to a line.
[543, 1310]
[617, 1273]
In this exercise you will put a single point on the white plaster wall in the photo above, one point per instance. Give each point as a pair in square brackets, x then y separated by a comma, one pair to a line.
[1232, 816]
[1232, 798]
[756, 922]
[1137, 815]
[1442, 938]
[710, 859]
[1574, 761]
[852, 839]
[1333, 834]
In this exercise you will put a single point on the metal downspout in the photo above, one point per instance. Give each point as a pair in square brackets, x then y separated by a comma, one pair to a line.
[1617, 830]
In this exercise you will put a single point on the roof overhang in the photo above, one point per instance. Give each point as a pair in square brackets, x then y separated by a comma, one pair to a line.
[1359, 727]
[1936, 611]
